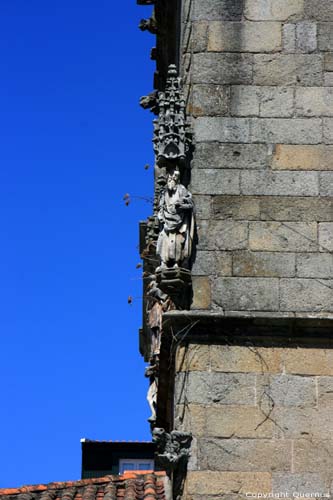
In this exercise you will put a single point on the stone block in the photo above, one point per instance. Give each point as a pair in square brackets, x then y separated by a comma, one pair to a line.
[191, 418]
[276, 101]
[245, 359]
[236, 207]
[326, 184]
[288, 69]
[246, 294]
[264, 264]
[199, 36]
[307, 361]
[212, 262]
[244, 36]
[325, 36]
[279, 183]
[289, 38]
[245, 100]
[326, 236]
[271, 10]
[228, 10]
[295, 209]
[222, 69]
[221, 483]
[215, 181]
[203, 206]
[306, 36]
[222, 129]
[201, 293]
[313, 455]
[222, 235]
[320, 11]
[286, 390]
[232, 388]
[192, 387]
[303, 157]
[328, 61]
[304, 484]
[209, 100]
[285, 130]
[328, 79]
[308, 295]
[279, 237]
[315, 265]
[328, 130]
[314, 101]
[245, 454]
[325, 392]
[193, 357]
[233, 156]
[235, 422]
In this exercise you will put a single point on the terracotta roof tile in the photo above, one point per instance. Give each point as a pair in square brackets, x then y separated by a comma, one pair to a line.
[141, 485]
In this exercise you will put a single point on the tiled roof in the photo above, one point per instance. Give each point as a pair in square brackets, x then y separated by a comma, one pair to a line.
[141, 485]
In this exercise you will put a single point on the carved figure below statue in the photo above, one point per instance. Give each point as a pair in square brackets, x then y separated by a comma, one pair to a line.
[176, 216]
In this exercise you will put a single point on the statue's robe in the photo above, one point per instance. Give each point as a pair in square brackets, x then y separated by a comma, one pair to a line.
[176, 213]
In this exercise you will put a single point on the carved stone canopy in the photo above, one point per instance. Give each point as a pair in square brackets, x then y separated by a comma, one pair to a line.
[171, 136]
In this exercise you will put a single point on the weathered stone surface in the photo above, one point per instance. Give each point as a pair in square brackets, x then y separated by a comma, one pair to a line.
[313, 455]
[315, 265]
[199, 387]
[321, 11]
[286, 390]
[224, 69]
[279, 183]
[314, 101]
[220, 483]
[326, 237]
[326, 184]
[285, 130]
[279, 237]
[263, 101]
[203, 206]
[222, 235]
[234, 156]
[310, 295]
[191, 417]
[307, 361]
[287, 69]
[236, 207]
[229, 10]
[328, 61]
[215, 181]
[325, 36]
[293, 484]
[264, 264]
[234, 421]
[305, 157]
[193, 357]
[209, 262]
[199, 36]
[325, 392]
[222, 129]
[201, 293]
[271, 10]
[245, 359]
[245, 454]
[210, 100]
[244, 37]
[328, 130]
[246, 294]
[284, 208]
[328, 79]
[306, 36]
[289, 38]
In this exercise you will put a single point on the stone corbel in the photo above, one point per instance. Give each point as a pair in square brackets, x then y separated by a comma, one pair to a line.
[148, 25]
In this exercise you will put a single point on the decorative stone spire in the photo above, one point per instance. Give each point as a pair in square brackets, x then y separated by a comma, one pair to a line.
[171, 136]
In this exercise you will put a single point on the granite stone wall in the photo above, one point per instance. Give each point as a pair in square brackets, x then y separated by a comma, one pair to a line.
[261, 418]
[258, 76]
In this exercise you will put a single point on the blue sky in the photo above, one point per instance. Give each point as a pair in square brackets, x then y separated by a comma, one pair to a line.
[73, 142]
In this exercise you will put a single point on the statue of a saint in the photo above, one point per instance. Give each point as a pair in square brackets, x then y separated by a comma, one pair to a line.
[176, 216]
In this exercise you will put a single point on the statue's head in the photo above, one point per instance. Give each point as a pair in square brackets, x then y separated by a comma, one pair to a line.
[173, 179]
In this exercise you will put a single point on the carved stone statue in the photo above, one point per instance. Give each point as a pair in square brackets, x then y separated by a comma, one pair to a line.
[176, 216]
